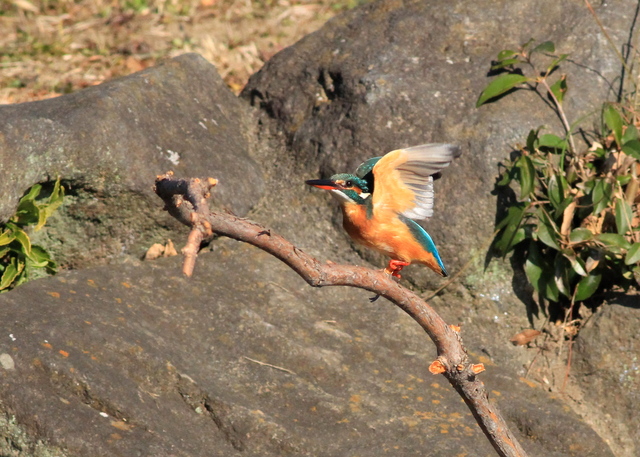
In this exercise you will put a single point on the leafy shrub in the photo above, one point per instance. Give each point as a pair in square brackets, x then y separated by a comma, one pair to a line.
[576, 211]
[18, 257]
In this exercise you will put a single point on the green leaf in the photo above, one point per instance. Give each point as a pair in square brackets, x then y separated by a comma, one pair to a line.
[557, 189]
[505, 53]
[578, 265]
[623, 180]
[504, 180]
[559, 88]
[527, 176]
[624, 215]
[633, 254]
[587, 286]
[504, 63]
[614, 121]
[631, 133]
[580, 235]
[518, 236]
[534, 266]
[546, 46]
[532, 139]
[601, 196]
[632, 148]
[509, 237]
[6, 237]
[551, 141]
[551, 288]
[56, 198]
[556, 62]
[611, 240]
[21, 237]
[500, 85]
[28, 212]
[9, 274]
[32, 194]
[547, 235]
[561, 275]
[39, 257]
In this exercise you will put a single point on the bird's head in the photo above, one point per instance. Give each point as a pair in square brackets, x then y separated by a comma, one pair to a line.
[346, 188]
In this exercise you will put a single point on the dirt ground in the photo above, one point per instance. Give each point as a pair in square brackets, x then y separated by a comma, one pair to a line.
[53, 47]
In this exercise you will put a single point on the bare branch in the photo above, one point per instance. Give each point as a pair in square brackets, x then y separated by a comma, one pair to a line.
[186, 200]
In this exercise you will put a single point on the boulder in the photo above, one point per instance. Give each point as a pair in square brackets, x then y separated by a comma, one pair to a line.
[606, 372]
[141, 361]
[394, 74]
[108, 142]
[244, 358]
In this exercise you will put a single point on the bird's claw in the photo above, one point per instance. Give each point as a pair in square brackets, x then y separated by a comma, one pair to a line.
[395, 267]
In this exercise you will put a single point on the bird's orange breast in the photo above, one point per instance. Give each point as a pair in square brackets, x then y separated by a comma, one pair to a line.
[385, 233]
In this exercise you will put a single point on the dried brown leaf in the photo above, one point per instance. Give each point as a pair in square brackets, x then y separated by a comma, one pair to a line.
[524, 337]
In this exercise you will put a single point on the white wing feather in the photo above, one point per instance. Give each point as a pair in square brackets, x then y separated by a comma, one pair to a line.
[417, 173]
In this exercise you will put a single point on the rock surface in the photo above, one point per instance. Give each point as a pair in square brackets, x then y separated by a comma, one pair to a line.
[607, 370]
[393, 74]
[177, 367]
[108, 142]
[140, 361]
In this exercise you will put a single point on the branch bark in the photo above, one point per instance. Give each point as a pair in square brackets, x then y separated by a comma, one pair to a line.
[186, 200]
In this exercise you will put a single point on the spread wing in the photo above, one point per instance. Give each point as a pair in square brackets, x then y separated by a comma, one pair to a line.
[404, 179]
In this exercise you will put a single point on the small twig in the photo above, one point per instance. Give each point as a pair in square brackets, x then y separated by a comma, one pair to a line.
[264, 364]
[564, 329]
[563, 116]
[606, 34]
[568, 369]
[452, 361]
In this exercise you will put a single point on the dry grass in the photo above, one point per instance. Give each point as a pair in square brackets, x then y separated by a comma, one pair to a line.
[51, 47]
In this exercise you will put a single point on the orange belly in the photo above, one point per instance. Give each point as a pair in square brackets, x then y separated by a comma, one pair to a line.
[387, 234]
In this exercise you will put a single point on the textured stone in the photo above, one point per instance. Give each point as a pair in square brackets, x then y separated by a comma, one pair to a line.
[108, 142]
[141, 361]
[393, 74]
[606, 369]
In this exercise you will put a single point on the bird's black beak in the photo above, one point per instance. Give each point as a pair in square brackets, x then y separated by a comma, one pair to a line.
[322, 184]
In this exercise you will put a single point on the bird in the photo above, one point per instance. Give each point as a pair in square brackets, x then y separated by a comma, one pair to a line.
[384, 198]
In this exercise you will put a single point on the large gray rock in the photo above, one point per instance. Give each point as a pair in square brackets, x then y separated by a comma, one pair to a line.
[606, 370]
[107, 143]
[396, 74]
[171, 362]
[141, 361]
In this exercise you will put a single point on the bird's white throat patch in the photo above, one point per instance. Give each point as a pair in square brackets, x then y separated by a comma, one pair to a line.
[340, 196]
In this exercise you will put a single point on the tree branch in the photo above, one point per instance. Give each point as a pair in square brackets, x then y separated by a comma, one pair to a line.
[186, 200]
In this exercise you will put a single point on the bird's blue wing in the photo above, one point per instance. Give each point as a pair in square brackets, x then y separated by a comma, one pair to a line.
[364, 171]
[366, 167]
[425, 240]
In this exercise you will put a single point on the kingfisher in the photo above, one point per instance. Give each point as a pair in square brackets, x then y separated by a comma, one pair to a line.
[384, 198]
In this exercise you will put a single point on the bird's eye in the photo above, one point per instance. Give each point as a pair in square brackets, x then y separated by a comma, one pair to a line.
[348, 184]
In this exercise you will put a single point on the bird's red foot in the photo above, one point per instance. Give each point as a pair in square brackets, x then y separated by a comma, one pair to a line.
[395, 267]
